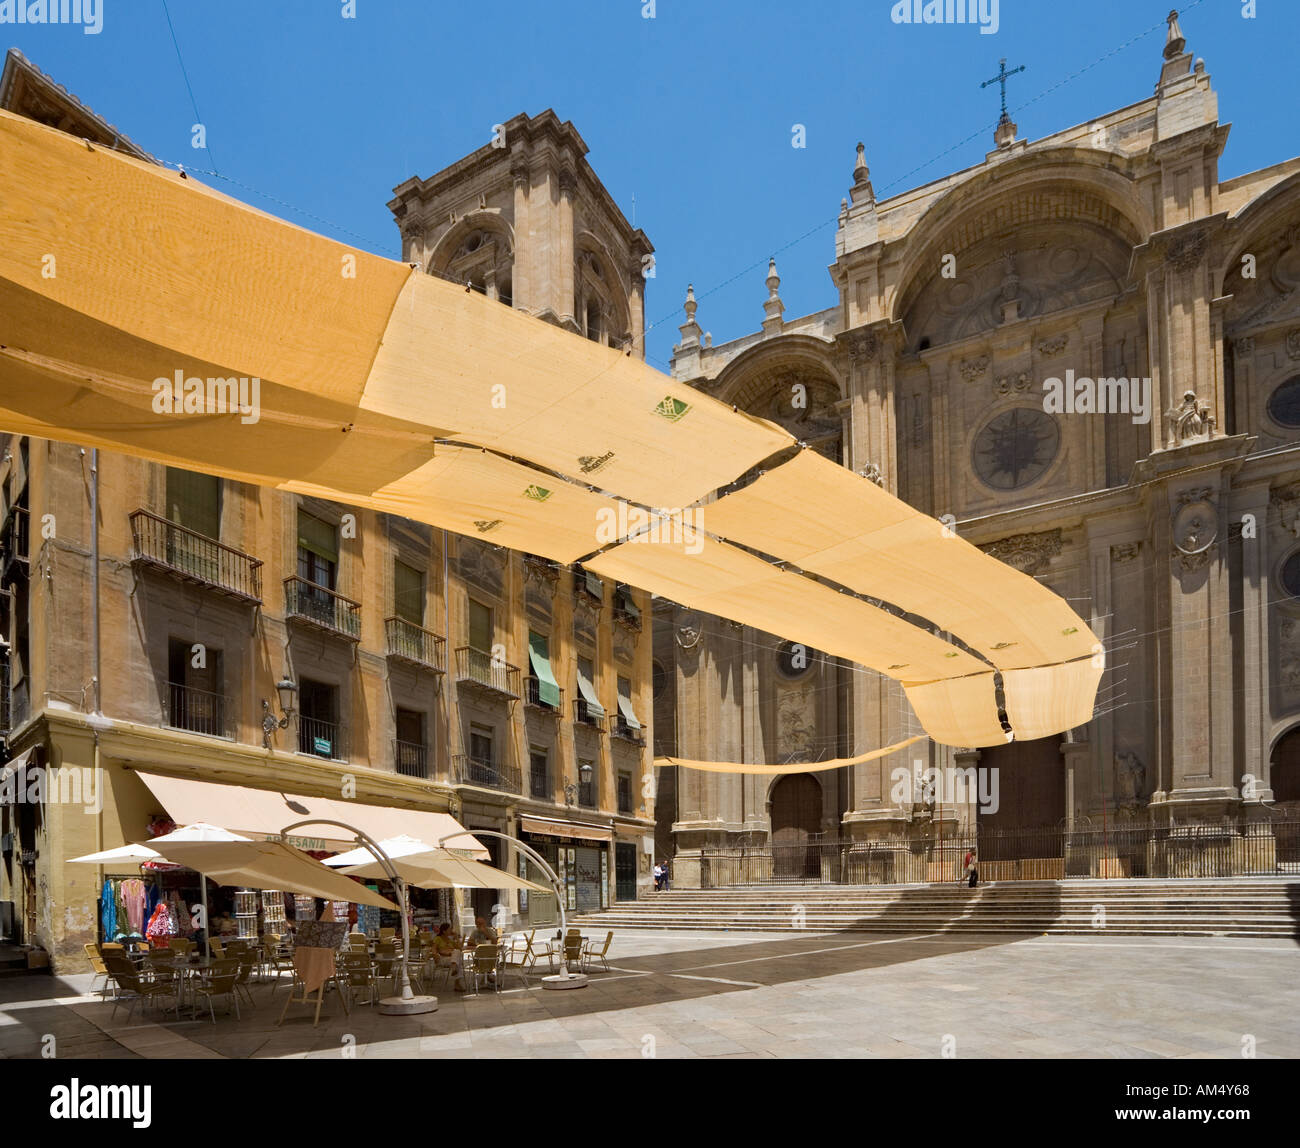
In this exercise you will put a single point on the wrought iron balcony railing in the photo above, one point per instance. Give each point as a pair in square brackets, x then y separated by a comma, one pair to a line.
[15, 541]
[411, 758]
[316, 606]
[199, 711]
[539, 784]
[408, 642]
[533, 696]
[322, 738]
[469, 770]
[621, 728]
[584, 714]
[192, 557]
[479, 668]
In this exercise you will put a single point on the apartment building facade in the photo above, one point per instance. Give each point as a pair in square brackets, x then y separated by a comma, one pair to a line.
[216, 631]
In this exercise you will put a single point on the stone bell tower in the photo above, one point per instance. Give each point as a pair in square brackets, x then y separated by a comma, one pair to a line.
[525, 220]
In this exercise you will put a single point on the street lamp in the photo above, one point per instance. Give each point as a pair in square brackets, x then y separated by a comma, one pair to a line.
[286, 688]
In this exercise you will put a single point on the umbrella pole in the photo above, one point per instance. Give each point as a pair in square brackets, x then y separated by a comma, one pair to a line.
[403, 904]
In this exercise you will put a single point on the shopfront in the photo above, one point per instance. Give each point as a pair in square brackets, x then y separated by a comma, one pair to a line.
[582, 857]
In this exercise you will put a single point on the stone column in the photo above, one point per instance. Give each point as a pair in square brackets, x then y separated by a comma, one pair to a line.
[566, 255]
[522, 280]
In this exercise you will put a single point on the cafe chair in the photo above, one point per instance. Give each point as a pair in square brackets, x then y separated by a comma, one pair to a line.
[98, 968]
[221, 981]
[131, 986]
[482, 962]
[590, 953]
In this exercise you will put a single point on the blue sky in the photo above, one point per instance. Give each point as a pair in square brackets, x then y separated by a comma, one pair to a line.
[318, 117]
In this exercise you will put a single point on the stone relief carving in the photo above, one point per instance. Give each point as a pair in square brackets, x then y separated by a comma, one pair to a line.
[796, 723]
[1125, 551]
[1286, 501]
[1195, 528]
[1130, 781]
[1008, 286]
[1246, 346]
[1011, 385]
[971, 369]
[863, 347]
[1185, 252]
[1028, 553]
[1051, 347]
[1293, 343]
[1288, 656]
[690, 632]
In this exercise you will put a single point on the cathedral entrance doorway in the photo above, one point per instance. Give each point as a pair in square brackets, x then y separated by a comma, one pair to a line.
[796, 806]
[1030, 786]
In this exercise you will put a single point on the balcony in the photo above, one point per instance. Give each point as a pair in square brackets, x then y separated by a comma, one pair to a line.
[15, 540]
[619, 728]
[532, 697]
[588, 585]
[322, 738]
[412, 758]
[481, 670]
[187, 556]
[626, 612]
[415, 645]
[199, 711]
[467, 770]
[322, 609]
[583, 714]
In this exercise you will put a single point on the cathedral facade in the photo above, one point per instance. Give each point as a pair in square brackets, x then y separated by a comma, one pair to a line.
[1083, 353]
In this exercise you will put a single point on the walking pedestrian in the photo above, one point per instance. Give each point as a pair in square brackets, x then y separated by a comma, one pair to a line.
[974, 878]
[659, 876]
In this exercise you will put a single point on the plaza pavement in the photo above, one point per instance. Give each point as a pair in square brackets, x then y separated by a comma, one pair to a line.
[766, 995]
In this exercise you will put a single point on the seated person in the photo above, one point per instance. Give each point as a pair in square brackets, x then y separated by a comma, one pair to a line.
[226, 926]
[483, 934]
[446, 951]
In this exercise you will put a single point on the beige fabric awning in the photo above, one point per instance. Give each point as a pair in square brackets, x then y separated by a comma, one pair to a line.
[545, 828]
[962, 712]
[778, 770]
[264, 813]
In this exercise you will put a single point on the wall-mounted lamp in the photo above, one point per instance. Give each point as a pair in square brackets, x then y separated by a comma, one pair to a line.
[286, 688]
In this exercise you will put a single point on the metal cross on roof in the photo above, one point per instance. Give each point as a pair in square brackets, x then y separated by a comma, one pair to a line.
[1001, 78]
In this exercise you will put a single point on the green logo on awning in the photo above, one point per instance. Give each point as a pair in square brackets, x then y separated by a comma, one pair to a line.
[537, 493]
[672, 409]
[483, 525]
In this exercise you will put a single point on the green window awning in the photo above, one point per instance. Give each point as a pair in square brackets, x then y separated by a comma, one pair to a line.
[318, 537]
[588, 692]
[539, 656]
[625, 707]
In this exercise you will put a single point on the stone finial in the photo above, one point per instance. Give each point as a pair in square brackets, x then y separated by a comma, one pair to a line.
[862, 192]
[773, 308]
[1174, 42]
[690, 330]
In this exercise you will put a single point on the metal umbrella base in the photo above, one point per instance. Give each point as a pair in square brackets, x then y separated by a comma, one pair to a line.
[565, 981]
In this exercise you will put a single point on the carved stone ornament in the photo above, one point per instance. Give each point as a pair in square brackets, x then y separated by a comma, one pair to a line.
[1028, 553]
[1286, 501]
[971, 369]
[1195, 528]
[1293, 343]
[1050, 347]
[1246, 346]
[1185, 253]
[1130, 781]
[1011, 385]
[871, 472]
[863, 347]
[1125, 551]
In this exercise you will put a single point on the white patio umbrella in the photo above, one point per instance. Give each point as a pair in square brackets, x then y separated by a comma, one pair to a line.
[199, 831]
[439, 869]
[133, 854]
[402, 845]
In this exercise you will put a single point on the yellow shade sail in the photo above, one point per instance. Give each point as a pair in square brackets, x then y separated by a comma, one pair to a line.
[780, 770]
[145, 313]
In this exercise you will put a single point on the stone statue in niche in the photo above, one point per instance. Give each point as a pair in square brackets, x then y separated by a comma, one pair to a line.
[1130, 781]
[1192, 420]
[795, 725]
